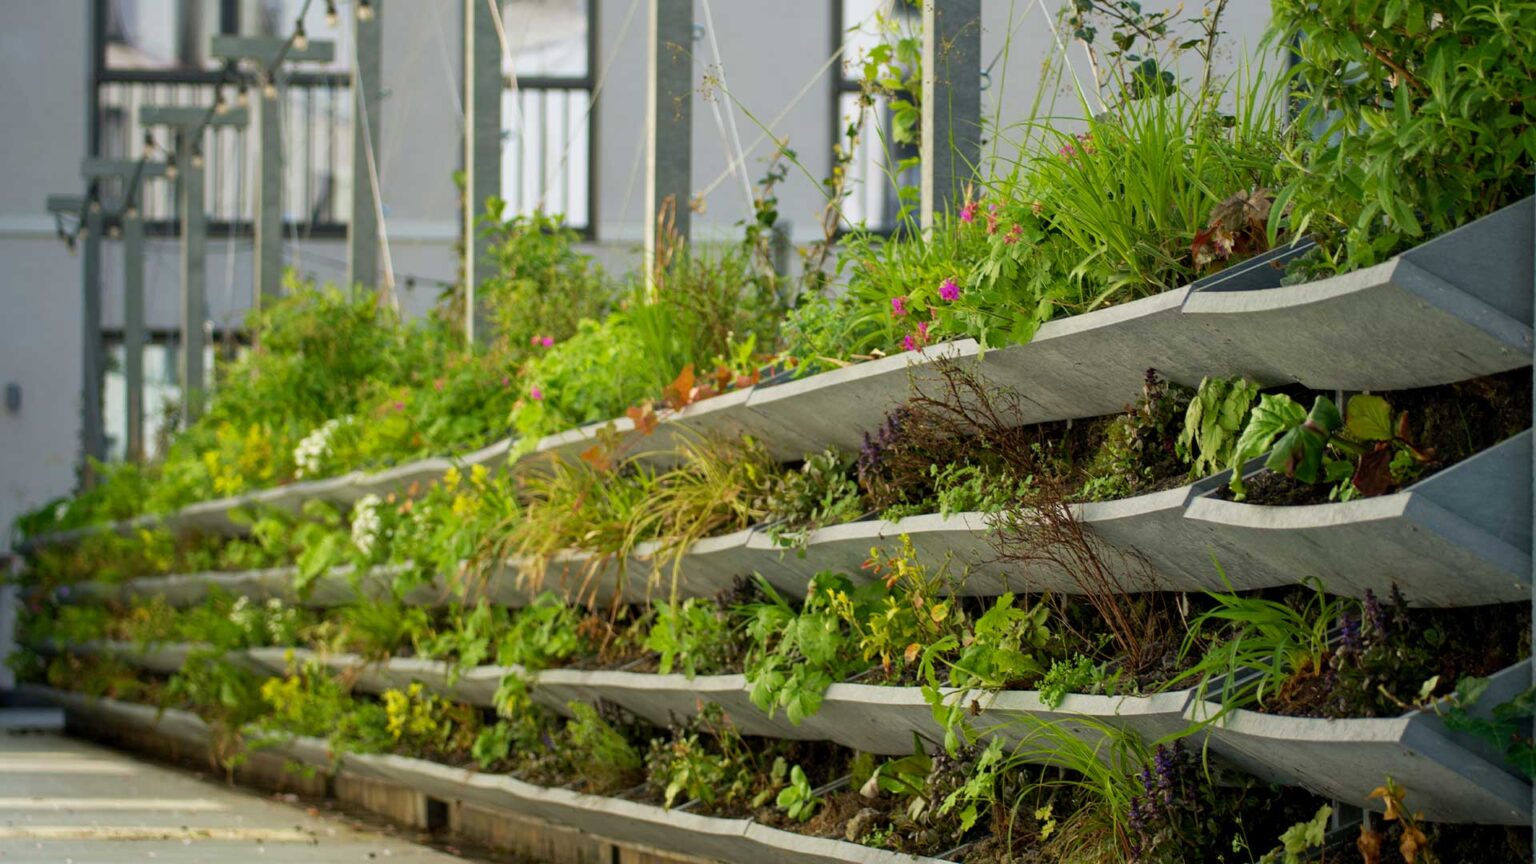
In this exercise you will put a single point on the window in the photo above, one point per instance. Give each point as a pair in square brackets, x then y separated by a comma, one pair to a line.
[546, 154]
[873, 179]
[155, 52]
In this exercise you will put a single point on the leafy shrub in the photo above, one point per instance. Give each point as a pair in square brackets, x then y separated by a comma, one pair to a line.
[1423, 115]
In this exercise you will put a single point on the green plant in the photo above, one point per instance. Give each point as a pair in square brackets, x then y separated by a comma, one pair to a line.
[1423, 115]
[541, 287]
[820, 493]
[794, 656]
[225, 696]
[1370, 449]
[696, 635]
[422, 723]
[1213, 422]
[1139, 446]
[1300, 838]
[798, 800]
[706, 760]
[1076, 675]
[1257, 648]
[597, 753]
[1504, 726]
[719, 486]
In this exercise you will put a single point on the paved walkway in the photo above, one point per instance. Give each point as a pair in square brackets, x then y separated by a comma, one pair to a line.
[69, 802]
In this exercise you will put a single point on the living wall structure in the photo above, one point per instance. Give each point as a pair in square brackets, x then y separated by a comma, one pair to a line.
[1192, 527]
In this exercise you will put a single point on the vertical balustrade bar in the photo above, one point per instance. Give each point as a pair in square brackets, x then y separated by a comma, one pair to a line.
[367, 85]
[669, 124]
[951, 104]
[482, 154]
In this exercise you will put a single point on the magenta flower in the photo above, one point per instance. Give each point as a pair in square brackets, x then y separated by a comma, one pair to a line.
[950, 289]
[536, 394]
[968, 212]
[547, 341]
[922, 331]
[898, 306]
[505, 380]
[908, 343]
[399, 406]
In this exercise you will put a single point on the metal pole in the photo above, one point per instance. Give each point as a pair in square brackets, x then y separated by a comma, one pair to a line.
[132, 175]
[951, 104]
[268, 258]
[363, 226]
[482, 154]
[92, 435]
[189, 123]
[269, 52]
[133, 330]
[668, 124]
[194, 276]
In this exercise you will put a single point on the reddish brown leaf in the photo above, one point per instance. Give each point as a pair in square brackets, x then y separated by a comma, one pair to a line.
[597, 457]
[680, 392]
[1373, 475]
[644, 418]
[1369, 845]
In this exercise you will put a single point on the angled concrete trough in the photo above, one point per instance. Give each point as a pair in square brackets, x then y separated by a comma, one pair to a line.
[1461, 537]
[1346, 759]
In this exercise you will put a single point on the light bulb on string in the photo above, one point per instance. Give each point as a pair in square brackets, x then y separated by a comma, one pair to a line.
[197, 159]
[170, 167]
[220, 106]
[131, 213]
[149, 146]
[364, 10]
[268, 88]
[330, 14]
[300, 38]
[243, 96]
[114, 232]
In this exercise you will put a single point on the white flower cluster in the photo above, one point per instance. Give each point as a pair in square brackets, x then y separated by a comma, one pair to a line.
[366, 523]
[311, 452]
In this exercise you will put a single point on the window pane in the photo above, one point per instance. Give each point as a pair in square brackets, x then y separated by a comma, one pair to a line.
[548, 38]
[160, 34]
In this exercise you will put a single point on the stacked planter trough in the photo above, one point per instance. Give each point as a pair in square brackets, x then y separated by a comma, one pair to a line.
[1455, 308]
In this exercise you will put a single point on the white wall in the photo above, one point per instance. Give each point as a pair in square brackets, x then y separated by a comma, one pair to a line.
[42, 51]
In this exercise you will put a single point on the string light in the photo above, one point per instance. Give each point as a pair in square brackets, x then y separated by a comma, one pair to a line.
[131, 213]
[114, 232]
[219, 105]
[268, 87]
[364, 10]
[149, 145]
[243, 97]
[170, 166]
[300, 38]
[330, 13]
[197, 159]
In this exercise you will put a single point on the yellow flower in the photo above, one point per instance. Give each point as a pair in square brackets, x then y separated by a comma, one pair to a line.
[451, 478]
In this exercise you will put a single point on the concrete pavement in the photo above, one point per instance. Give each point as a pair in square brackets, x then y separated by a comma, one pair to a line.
[65, 801]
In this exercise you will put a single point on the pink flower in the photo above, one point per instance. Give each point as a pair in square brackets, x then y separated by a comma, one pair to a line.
[908, 343]
[534, 341]
[922, 331]
[898, 306]
[399, 406]
[1068, 151]
[991, 218]
[505, 380]
[547, 341]
[968, 212]
[536, 394]
[1014, 233]
[950, 289]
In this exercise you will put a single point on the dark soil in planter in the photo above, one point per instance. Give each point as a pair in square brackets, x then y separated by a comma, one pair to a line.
[1475, 641]
[1451, 844]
